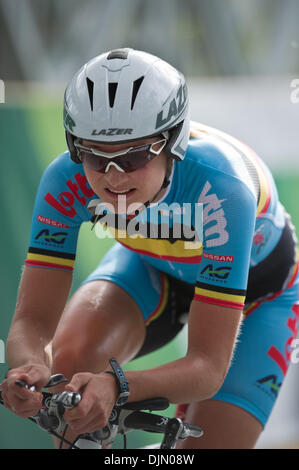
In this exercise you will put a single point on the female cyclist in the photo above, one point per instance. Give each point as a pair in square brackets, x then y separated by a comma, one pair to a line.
[199, 229]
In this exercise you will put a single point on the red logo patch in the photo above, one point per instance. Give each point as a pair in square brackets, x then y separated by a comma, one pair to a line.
[225, 258]
[53, 223]
[65, 200]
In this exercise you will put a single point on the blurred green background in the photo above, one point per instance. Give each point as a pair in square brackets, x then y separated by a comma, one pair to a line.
[239, 58]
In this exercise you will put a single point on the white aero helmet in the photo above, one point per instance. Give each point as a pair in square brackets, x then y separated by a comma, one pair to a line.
[124, 95]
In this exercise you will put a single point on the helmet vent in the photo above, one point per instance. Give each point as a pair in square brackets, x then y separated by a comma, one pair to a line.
[112, 93]
[118, 54]
[90, 86]
[136, 86]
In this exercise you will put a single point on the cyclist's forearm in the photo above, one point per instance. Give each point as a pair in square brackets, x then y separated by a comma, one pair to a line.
[185, 380]
[41, 299]
[26, 344]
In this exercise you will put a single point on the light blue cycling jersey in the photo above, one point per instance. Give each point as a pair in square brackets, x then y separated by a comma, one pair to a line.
[244, 250]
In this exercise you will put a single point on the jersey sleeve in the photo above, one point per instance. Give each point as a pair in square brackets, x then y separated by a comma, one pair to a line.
[229, 214]
[59, 210]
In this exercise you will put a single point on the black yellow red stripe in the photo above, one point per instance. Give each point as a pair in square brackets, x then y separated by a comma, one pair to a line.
[163, 249]
[254, 305]
[265, 190]
[217, 295]
[293, 275]
[250, 308]
[50, 259]
[162, 301]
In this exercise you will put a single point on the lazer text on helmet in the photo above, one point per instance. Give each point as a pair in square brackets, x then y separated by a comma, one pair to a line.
[176, 106]
[112, 131]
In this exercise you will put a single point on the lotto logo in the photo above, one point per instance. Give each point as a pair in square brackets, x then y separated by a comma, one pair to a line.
[65, 201]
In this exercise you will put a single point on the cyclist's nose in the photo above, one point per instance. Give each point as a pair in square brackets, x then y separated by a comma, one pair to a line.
[115, 177]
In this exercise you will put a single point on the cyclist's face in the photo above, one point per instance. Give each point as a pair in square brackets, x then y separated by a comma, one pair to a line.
[140, 185]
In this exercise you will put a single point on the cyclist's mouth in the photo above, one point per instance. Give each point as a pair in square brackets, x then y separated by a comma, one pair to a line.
[113, 193]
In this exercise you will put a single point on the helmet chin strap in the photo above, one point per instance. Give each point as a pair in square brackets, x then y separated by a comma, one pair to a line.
[164, 185]
[166, 180]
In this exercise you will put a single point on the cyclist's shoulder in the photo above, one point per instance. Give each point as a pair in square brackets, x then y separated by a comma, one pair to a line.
[216, 150]
[211, 157]
[226, 162]
[62, 163]
[62, 171]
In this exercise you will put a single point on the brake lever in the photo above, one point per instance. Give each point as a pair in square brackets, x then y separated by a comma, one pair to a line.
[22, 383]
[173, 430]
[55, 380]
[68, 399]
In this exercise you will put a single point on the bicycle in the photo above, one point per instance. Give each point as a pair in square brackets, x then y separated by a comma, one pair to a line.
[123, 419]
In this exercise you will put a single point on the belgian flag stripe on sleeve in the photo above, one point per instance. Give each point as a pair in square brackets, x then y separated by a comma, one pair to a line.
[218, 295]
[50, 259]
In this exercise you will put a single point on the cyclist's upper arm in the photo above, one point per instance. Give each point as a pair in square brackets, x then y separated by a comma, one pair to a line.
[212, 331]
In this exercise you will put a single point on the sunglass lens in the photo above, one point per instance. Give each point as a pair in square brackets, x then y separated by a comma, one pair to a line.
[134, 161]
[129, 162]
[96, 163]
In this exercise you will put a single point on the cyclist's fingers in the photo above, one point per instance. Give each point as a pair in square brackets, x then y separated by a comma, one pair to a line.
[22, 408]
[9, 389]
[20, 400]
[90, 406]
[39, 377]
[78, 381]
[32, 378]
[26, 413]
[23, 393]
[93, 425]
[94, 420]
[80, 411]
[36, 375]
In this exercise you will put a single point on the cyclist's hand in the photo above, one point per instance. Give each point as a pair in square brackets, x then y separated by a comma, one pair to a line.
[99, 394]
[21, 400]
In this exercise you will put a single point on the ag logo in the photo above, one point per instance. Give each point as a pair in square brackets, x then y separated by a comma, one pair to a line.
[57, 237]
[221, 272]
[269, 382]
